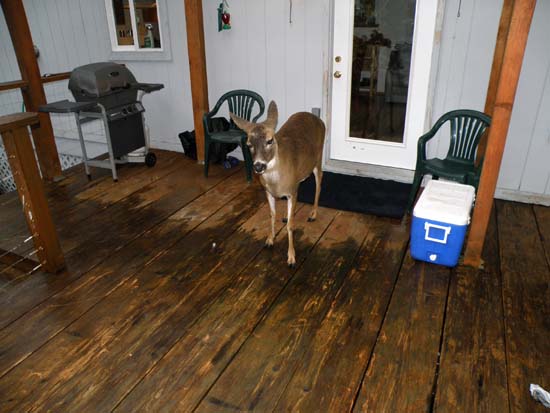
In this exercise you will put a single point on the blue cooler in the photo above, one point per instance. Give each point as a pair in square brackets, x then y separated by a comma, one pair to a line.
[440, 219]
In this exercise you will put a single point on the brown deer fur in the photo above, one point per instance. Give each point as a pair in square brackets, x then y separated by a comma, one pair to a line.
[285, 158]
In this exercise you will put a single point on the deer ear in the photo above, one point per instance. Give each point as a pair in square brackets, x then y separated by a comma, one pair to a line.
[241, 123]
[272, 115]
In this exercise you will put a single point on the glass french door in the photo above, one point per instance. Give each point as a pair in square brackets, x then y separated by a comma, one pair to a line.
[382, 58]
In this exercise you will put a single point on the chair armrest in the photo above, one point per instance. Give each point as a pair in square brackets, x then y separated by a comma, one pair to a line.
[422, 141]
[209, 115]
[205, 118]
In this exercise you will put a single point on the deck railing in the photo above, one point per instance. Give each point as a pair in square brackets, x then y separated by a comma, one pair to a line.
[21, 157]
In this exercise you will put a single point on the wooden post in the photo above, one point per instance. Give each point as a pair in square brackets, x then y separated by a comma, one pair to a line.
[512, 60]
[197, 69]
[33, 94]
[20, 152]
[500, 46]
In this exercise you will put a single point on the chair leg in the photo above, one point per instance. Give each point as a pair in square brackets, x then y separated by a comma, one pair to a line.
[418, 175]
[206, 156]
[247, 161]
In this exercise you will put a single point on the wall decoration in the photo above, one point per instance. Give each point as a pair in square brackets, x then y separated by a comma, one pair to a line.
[224, 18]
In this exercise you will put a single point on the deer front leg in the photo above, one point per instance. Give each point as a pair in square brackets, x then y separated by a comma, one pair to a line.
[272, 213]
[291, 206]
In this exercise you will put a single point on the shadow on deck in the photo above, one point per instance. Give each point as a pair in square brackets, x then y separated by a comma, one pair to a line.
[171, 303]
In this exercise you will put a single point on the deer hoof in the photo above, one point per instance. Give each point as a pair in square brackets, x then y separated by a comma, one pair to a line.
[269, 243]
[291, 262]
[311, 219]
[285, 220]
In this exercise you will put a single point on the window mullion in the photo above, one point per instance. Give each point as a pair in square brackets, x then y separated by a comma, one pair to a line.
[134, 24]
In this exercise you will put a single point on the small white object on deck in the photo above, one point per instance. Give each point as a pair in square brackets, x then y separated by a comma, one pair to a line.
[540, 395]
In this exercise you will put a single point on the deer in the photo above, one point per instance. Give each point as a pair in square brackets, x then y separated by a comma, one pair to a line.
[283, 160]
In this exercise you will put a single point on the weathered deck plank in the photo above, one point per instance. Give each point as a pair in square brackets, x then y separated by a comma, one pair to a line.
[472, 374]
[23, 337]
[122, 320]
[542, 215]
[151, 317]
[184, 375]
[265, 363]
[187, 293]
[66, 197]
[526, 295]
[329, 376]
[401, 372]
[126, 220]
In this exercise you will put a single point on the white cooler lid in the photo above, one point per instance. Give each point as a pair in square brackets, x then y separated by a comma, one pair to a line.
[445, 201]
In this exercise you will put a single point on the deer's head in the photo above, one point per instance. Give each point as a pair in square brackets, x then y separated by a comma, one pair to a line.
[260, 138]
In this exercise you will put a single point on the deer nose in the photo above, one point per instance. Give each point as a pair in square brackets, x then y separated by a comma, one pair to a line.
[259, 167]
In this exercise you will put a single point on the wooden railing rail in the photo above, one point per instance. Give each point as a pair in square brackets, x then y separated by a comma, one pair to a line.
[55, 77]
[20, 153]
[22, 84]
[12, 85]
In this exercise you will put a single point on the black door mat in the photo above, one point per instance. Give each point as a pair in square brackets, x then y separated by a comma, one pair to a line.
[358, 194]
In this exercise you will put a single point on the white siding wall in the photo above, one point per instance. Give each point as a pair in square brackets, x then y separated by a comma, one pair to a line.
[264, 52]
[465, 59]
[71, 33]
[287, 62]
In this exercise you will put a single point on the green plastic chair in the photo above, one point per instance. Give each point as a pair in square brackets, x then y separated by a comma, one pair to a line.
[241, 102]
[467, 127]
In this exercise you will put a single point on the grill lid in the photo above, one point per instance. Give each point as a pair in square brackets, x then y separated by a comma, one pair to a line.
[99, 79]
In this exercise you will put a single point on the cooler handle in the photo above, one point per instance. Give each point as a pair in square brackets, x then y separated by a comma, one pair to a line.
[428, 226]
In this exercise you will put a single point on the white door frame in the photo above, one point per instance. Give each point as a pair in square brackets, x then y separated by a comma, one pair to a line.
[371, 170]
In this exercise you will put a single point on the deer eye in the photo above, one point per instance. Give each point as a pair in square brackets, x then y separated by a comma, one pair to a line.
[269, 142]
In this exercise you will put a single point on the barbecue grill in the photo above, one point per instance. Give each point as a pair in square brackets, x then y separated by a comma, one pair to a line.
[110, 92]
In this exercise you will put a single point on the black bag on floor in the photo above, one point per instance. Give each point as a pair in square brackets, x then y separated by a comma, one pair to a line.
[218, 150]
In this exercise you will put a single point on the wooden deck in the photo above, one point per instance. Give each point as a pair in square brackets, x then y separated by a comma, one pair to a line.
[172, 303]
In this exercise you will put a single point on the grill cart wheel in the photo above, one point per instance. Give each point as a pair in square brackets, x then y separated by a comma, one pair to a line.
[150, 159]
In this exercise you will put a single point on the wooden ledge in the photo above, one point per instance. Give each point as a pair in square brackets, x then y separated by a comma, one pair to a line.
[18, 120]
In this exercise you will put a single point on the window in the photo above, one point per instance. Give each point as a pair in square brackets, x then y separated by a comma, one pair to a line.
[134, 25]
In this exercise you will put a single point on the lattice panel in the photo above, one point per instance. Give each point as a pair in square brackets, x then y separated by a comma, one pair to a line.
[6, 180]
[68, 161]
[63, 125]
[7, 183]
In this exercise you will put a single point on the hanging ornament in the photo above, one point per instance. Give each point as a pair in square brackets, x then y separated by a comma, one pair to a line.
[224, 18]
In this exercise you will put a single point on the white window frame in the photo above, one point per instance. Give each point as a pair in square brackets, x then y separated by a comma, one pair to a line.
[134, 50]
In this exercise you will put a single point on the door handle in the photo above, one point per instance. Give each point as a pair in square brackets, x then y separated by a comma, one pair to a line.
[337, 74]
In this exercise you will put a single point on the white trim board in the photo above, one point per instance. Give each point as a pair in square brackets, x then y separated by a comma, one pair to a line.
[524, 197]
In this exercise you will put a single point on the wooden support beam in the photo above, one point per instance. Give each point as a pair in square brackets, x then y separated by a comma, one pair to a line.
[33, 95]
[498, 55]
[522, 14]
[197, 69]
[20, 153]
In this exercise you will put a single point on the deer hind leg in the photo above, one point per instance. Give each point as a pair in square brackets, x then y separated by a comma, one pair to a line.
[291, 207]
[272, 213]
[318, 172]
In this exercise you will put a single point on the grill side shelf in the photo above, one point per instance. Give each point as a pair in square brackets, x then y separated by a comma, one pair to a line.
[66, 106]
